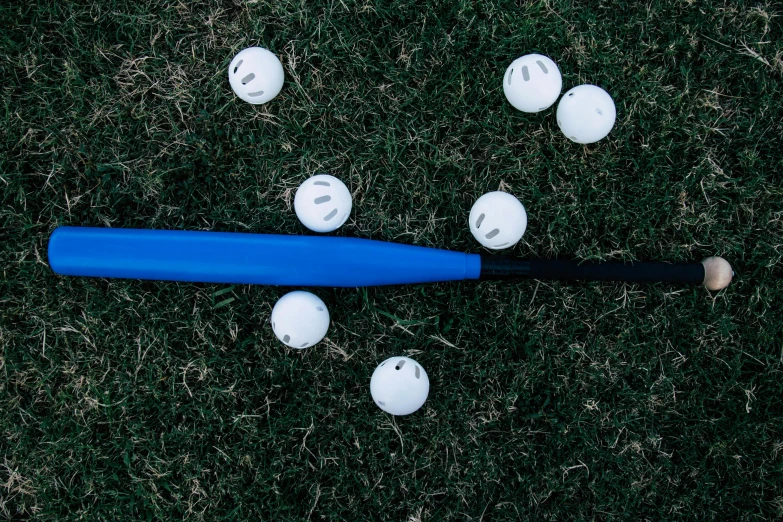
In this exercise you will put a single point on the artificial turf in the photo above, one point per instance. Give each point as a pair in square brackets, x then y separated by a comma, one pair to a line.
[130, 400]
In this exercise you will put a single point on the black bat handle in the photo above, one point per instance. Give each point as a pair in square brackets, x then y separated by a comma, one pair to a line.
[501, 267]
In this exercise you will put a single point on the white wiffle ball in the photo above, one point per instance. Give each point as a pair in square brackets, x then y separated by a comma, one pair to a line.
[300, 319]
[323, 203]
[498, 220]
[256, 75]
[532, 83]
[399, 385]
[586, 114]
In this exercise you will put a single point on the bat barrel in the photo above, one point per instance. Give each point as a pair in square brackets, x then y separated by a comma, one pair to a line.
[224, 257]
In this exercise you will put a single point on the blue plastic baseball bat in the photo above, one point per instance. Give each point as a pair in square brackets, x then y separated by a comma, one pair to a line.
[228, 257]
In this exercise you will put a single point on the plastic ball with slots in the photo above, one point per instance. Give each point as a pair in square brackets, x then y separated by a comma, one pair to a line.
[498, 220]
[399, 385]
[300, 319]
[323, 203]
[532, 83]
[256, 75]
[586, 114]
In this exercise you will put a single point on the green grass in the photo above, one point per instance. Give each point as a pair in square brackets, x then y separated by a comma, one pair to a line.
[128, 400]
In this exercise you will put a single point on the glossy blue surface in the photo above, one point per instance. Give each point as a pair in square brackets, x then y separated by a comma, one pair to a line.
[224, 257]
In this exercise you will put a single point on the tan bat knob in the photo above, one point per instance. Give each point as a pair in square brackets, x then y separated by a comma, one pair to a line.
[717, 273]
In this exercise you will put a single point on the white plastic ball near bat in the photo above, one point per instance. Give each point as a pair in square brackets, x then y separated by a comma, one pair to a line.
[586, 114]
[498, 220]
[256, 75]
[323, 203]
[300, 319]
[399, 385]
[532, 83]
